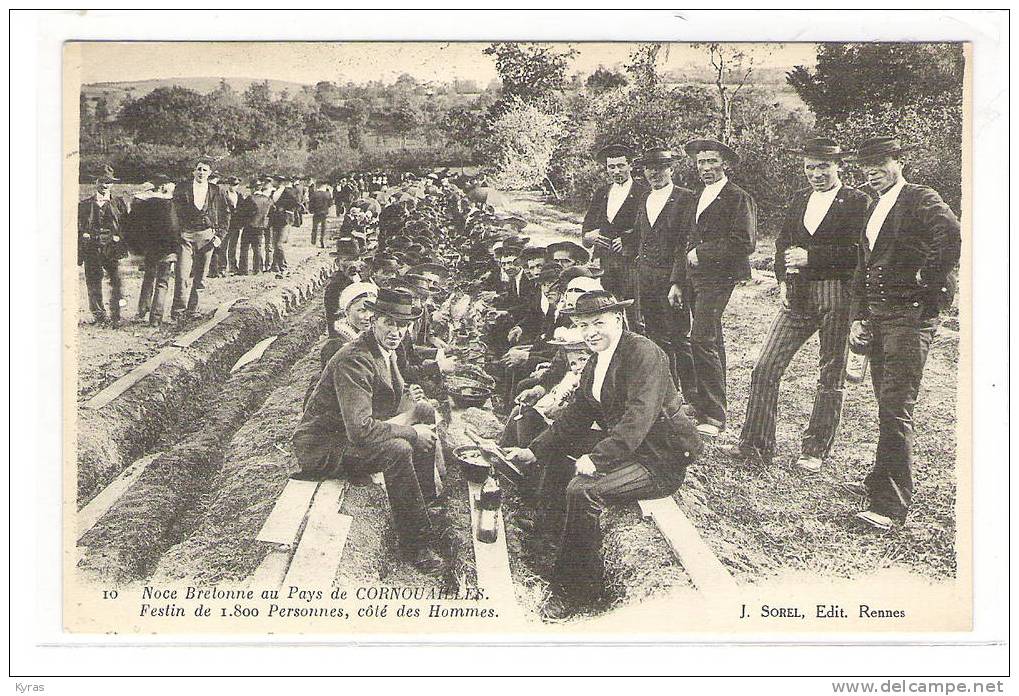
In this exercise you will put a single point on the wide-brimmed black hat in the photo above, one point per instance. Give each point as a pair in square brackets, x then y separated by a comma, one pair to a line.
[656, 157]
[420, 285]
[822, 149]
[395, 303]
[569, 274]
[880, 147]
[429, 268]
[614, 150]
[700, 144]
[577, 252]
[347, 247]
[596, 302]
[532, 252]
[106, 180]
[549, 274]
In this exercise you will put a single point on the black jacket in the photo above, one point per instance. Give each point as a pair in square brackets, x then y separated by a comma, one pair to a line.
[832, 251]
[661, 243]
[915, 256]
[638, 411]
[621, 225]
[724, 237]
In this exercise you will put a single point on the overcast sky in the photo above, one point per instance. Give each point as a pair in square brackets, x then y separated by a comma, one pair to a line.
[359, 62]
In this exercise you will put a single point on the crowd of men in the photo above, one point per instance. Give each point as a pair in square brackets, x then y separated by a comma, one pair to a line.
[608, 356]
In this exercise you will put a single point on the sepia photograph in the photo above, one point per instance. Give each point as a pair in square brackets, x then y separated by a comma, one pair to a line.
[522, 337]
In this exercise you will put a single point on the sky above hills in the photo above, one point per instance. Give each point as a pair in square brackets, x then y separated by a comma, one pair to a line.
[310, 62]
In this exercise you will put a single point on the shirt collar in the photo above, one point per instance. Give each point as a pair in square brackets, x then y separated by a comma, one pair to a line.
[664, 191]
[623, 186]
[102, 199]
[894, 190]
[717, 186]
[830, 193]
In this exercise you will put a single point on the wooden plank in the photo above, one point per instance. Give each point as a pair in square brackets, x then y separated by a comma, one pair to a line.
[98, 506]
[284, 522]
[125, 382]
[491, 560]
[270, 572]
[318, 553]
[185, 340]
[256, 353]
[699, 561]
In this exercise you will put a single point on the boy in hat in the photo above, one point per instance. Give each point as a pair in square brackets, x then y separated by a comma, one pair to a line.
[660, 227]
[348, 270]
[101, 247]
[815, 256]
[200, 213]
[909, 251]
[359, 421]
[567, 254]
[722, 226]
[608, 224]
[641, 451]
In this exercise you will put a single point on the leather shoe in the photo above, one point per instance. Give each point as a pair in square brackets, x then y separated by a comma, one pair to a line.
[811, 465]
[877, 521]
[426, 561]
[709, 427]
[855, 489]
[746, 453]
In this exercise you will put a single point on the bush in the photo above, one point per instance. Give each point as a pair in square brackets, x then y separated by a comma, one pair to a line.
[524, 139]
[136, 163]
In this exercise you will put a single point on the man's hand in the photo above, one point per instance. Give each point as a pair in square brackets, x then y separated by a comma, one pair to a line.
[585, 467]
[415, 392]
[676, 296]
[859, 336]
[530, 396]
[519, 455]
[516, 356]
[795, 257]
[590, 237]
[514, 334]
[783, 293]
[691, 257]
[424, 436]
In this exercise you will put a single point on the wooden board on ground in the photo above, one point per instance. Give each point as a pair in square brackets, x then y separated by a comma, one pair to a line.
[125, 382]
[491, 560]
[98, 506]
[321, 545]
[256, 353]
[222, 312]
[700, 563]
[284, 522]
[270, 572]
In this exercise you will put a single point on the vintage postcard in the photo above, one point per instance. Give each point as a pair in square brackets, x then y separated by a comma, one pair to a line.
[517, 339]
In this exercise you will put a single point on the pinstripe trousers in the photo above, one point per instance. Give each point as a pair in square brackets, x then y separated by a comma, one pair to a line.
[579, 566]
[822, 306]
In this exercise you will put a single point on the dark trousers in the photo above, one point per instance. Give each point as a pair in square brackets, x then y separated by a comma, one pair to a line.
[821, 306]
[193, 258]
[280, 235]
[898, 352]
[155, 286]
[95, 266]
[579, 566]
[251, 245]
[523, 426]
[409, 477]
[224, 260]
[318, 224]
[669, 327]
[708, 347]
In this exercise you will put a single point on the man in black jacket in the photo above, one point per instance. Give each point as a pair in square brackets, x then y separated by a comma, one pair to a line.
[722, 233]
[199, 213]
[643, 447]
[661, 230]
[101, 246]
[909, 251]
[815, 256]
[155, 239]
[608, 224]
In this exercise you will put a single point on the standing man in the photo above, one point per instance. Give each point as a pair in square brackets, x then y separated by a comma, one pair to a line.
[158, 243]
[200, 214]
[256, 227]
[641, 451]
[286, 209]
[815, 257]
[608, 224]
[319, 201]
[909, 251]
[661, 231]
[219, 265]
[100, 248]
[722, 228]
[358, 422]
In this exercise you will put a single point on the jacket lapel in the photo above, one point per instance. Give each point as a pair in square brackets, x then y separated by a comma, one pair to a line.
[381, 366]
[890, 227]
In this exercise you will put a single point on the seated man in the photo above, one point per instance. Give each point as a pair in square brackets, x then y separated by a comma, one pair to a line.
[642, 451]
[357, 422]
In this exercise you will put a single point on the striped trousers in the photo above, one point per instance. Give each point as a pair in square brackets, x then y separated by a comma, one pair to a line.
[821, 306]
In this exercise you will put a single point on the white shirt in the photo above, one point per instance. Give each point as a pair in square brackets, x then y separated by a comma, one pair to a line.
[232, 197]
[200, 192]
[817, 207]
[880, 212]
[709, 194]
[544, 304]
[656, 201]
[601, 366]
[617, 194]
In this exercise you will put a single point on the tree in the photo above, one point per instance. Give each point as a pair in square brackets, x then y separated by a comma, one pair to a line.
[168, 116]
[732, 68]
[258, 95]
[603, 80]
[530, 73]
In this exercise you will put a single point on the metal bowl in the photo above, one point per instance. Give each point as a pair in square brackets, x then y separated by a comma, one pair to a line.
[467, 396]
[473, 463]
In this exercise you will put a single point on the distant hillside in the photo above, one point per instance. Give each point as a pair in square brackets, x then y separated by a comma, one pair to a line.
[117, 92]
